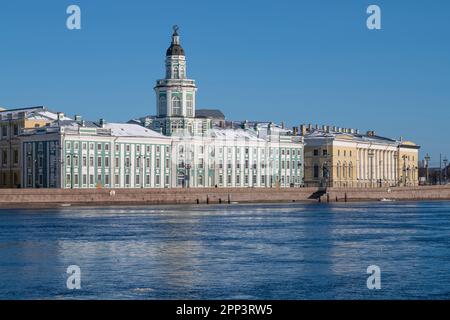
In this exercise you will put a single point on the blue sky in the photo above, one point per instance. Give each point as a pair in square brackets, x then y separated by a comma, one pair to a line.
[293, 61]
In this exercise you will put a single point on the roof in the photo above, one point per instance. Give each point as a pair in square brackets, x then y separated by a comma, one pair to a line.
[209, 113]
[319, 133]
[132, 130]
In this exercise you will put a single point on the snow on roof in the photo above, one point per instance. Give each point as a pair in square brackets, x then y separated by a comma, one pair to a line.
[132, 130]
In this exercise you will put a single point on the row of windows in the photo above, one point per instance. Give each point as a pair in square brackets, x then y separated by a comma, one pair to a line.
[104, 161]
[4, 130]
[106, 146]
[4, 157]
[105, 180]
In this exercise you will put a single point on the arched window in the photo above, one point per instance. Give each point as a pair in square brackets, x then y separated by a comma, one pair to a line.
[175, 73]
[350, 170]
[338, 169]
[344, 170]
[189, 106]
[162, 105]
[176, 106]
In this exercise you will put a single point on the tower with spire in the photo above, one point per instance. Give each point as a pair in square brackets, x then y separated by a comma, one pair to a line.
[175, 95]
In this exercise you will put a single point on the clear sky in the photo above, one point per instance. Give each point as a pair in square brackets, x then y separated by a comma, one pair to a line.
[296, 61]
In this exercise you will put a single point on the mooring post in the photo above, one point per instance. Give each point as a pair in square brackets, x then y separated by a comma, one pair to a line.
[320, 198]
[229, 199]
[345, 199]
[328, 197]
[337, 200]
[207, 199]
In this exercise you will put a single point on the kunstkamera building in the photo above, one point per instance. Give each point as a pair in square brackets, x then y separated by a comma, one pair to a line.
[178, 147]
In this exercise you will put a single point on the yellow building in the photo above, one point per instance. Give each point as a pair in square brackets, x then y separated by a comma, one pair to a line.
[12, 123]
[341, 157]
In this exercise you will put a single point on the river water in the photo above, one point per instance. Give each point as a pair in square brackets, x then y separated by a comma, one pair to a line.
[257, 251]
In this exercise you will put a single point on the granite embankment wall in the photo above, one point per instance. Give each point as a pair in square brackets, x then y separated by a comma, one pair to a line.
[57, 197]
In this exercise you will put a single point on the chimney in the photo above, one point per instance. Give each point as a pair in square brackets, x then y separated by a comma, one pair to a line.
[83, 123]
[60, 115]
[371, 133]
[245, 125]
[302, 130]
[295, 131]
[310, 127]
[357, 131]
[77, 118]
[282, 125]
[102, 123]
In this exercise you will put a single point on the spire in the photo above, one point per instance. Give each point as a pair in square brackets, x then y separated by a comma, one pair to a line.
[175, 48]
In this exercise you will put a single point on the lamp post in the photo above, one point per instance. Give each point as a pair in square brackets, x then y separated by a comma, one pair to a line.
[427, 165]
[445, 169]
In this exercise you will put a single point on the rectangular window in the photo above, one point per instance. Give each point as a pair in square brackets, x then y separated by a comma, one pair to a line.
[316, 152]
[91, 179]
[107, 179]
[84, 161]
[147, 179]
[157, 179]
[107, 162]
[316, 171]
[117, 179]
[99, 146]
[99, 161]
[91, 161]
[84, 179]
[167, 179]
[138, 181]
[116, 162]
[127, 179]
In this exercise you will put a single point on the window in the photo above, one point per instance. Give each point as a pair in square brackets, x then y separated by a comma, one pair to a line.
[107, 179]
[162, 105]
[4, 131]
[91, 179]
[157, 179]
[324, 152]
[107, 162]
[238, 179]
[316, 171]
[15, 156]
[99, 147]
[68, 180]
[84, 146]
[229, 179]
[91, 161]
[147, 179]
[99, 179]
[99, 161]
[147, 161]
[116, 164]
[138, 179]
[107, 147]
[117, 179]
[127, 148]
[176, 106]
[316, 152]
[158, 164]
[84, 179]
[75, 179]
[67, 160]
[91, 146]
[254, 179]
[127, 162]
[117, 147]
[190, 106]
[127, 179]
[84, 164]
[167, 178]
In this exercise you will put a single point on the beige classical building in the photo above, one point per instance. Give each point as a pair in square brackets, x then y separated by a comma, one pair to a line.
[338, 157]
[12, 123]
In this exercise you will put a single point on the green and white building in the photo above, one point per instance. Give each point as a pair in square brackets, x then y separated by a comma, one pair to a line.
[174, 149]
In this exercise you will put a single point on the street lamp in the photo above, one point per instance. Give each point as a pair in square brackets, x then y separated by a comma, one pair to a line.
[445, 169]
[427, 162]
